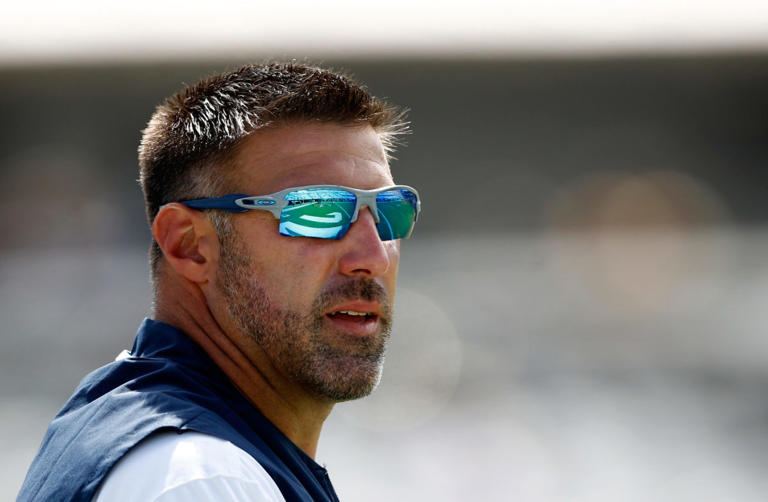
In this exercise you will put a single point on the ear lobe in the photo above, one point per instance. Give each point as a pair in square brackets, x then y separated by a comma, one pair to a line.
[188, 240]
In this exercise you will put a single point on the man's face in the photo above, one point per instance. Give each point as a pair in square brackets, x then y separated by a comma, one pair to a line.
[302, 300]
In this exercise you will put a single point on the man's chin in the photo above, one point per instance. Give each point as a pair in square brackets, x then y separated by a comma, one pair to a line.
[346, 380]
[347, 366]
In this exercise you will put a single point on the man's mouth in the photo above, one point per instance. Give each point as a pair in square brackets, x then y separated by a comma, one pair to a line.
[358, 318]
[352, 315]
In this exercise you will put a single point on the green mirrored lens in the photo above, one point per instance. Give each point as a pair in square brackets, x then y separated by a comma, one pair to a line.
[317, 212]
[397, 214]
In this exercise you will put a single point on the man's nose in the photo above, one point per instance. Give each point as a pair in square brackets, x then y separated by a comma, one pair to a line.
[364, 252]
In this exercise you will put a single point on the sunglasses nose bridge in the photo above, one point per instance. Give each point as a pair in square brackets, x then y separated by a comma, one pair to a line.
[373, 212]
[369, 201]
[371, 205]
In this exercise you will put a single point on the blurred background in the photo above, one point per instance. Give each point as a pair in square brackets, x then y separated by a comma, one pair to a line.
[581, 313]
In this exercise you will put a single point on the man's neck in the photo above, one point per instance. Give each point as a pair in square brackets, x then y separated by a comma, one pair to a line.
[297, 415]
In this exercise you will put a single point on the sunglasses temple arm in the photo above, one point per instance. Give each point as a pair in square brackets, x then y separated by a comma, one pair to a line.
[224, 203]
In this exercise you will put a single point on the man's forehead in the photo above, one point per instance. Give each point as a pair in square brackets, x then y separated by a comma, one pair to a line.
[312, 153]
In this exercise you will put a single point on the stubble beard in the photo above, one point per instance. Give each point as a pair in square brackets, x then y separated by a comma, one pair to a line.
[301, 346]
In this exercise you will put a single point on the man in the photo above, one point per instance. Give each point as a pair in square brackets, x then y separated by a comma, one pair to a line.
[276, 229]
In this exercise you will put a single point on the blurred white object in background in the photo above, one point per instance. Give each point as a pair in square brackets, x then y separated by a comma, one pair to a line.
[51, 32]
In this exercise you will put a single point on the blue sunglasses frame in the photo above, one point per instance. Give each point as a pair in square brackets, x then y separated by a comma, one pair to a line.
[276, 202]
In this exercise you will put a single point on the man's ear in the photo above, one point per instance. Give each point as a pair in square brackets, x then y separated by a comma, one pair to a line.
[189, 241]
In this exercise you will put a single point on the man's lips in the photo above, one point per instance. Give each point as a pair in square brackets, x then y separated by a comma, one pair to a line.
[358, 308]
[358, 317]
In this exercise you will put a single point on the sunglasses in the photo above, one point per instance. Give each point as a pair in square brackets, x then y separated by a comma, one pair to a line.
[327, 211]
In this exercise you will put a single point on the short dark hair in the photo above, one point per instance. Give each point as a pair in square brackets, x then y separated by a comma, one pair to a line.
[193, 134]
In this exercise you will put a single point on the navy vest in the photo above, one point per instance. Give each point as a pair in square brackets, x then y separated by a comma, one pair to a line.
[168, 383]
